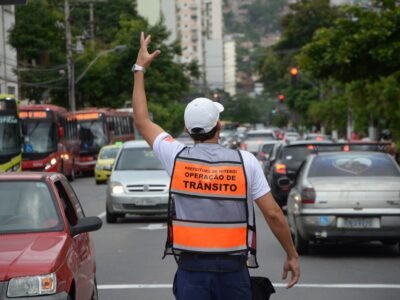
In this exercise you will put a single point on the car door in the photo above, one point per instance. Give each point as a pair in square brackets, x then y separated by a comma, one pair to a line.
[82, 261]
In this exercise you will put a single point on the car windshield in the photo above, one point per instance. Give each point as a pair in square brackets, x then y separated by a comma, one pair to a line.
[132, 159]
[353, 165]
[9, 134]
[92, 136]
[39, 136]
[27, 206]
[108, 153]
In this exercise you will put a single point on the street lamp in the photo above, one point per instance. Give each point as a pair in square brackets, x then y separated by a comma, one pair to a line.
[118, 48]
[73, 82]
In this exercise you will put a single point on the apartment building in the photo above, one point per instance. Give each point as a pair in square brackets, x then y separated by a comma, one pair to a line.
[198, 26]
[8, 55]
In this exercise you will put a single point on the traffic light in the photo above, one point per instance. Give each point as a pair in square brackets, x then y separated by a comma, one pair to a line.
[294, 74]
[281, 98]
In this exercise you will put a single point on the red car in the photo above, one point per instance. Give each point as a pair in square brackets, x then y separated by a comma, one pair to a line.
[46, 251]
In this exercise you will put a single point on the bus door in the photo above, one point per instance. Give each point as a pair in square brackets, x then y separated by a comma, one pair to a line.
[10, 135]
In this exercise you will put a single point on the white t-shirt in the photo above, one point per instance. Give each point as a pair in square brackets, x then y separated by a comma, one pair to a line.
[166, 148]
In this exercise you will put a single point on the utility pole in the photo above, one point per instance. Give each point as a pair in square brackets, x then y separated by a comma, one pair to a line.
[70, 59]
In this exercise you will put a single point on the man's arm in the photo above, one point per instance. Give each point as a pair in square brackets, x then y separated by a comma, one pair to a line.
[279, 227]
[143, 123]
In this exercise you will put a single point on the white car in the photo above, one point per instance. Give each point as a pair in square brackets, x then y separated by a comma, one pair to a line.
[138, 184]
[255, 138]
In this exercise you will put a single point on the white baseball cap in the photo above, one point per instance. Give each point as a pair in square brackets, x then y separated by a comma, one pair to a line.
[202, 113]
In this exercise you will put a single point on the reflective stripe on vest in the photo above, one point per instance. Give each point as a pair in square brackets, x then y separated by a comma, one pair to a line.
[209, 237]
[215, 180]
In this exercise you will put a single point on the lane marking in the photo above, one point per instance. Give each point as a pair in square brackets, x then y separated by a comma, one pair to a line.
[153, 227]
[279, 285]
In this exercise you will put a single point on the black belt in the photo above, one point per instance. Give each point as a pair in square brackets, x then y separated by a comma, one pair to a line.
[212, 262]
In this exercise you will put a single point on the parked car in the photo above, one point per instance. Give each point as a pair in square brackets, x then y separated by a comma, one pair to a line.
[345, 196]
[104, 163]
[255, 138]
[138, 184]
[283, 166]
[46, 251]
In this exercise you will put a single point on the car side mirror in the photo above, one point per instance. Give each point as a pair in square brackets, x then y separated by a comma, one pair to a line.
[86, 224]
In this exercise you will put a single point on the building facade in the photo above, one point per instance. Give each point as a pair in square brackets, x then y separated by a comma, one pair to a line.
[8, 55]
[198, 27]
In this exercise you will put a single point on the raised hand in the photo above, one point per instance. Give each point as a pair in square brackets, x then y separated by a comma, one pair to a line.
[145, 58]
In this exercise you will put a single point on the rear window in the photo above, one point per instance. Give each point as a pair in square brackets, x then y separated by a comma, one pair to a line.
[353, 165]
[132, 159]
[267, 148]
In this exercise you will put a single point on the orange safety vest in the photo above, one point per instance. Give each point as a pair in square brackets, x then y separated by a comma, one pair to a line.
[198, 181]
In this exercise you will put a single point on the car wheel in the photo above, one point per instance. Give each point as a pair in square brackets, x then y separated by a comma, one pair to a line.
[98, 182]
[95, 294]
[301, 244]
[71, 177]
[110, 217]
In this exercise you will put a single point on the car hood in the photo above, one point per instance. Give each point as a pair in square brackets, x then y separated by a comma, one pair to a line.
[105, 162]
[30, 254]
[140, 177]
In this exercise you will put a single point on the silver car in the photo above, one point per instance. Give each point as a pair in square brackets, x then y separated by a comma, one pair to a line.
[345, 196]
[138, 184]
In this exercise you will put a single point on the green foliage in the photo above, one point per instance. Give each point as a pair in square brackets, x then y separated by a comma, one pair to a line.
[364, 44]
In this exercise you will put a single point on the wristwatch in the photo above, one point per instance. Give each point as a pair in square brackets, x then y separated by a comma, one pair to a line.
[137, 68]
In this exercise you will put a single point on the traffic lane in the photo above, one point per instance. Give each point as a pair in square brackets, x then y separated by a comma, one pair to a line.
[92, 196]
[130, 253]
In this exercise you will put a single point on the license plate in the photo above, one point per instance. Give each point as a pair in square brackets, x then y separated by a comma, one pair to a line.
[358, 223]
[146, 202]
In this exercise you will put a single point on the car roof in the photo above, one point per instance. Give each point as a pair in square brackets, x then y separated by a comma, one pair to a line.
[136, 144]
[260, 131]
[111, 146]
[22, 176]
[350, 153]
[306, 143]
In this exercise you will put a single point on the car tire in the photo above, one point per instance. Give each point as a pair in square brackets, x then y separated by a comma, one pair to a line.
[71, 177]
[301, 244]
[110, 217]
[98, 182]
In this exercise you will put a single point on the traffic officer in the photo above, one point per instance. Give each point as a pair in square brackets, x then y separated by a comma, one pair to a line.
[211, 223]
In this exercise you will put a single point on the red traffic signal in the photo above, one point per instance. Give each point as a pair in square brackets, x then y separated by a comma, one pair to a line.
[281, 97]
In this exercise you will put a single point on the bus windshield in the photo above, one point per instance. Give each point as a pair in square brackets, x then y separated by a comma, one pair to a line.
[39, 136]
[92, 136]
[10, 141]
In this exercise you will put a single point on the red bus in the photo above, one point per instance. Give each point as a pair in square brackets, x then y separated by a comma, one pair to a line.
[50, 139]
[100, 127]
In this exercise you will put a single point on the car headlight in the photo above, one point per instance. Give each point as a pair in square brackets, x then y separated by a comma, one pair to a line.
[98, 167]
[32, 286]
[108, 168]
[52, 162]
[116, 188]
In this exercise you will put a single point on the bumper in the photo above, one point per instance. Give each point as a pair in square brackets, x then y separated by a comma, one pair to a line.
[59, 296]
[323, 227]
[102, 175]
[143, 205]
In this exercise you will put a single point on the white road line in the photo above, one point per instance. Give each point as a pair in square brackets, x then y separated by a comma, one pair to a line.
[102, 215]
[277, 285]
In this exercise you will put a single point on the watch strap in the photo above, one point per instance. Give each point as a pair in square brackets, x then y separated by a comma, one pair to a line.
[137, 68]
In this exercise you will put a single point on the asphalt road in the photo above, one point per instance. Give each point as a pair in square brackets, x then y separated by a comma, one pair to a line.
[130, 264]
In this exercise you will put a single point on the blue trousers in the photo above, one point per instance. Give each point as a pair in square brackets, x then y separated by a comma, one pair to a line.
[212, 278]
